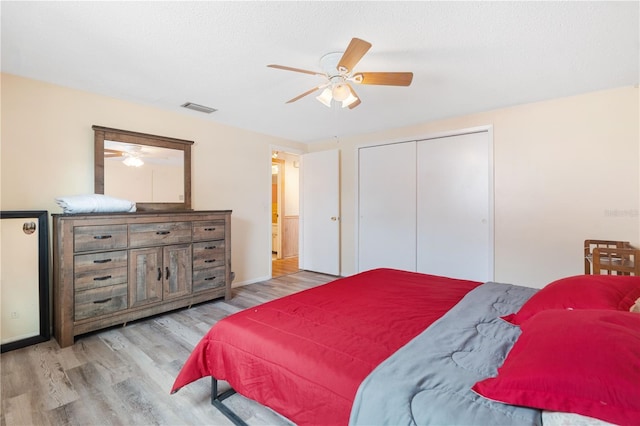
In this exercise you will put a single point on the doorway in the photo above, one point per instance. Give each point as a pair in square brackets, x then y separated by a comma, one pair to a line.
[285, 206]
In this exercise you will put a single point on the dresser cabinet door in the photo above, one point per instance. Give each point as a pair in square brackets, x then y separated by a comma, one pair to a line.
[177, 270]
[145, 276]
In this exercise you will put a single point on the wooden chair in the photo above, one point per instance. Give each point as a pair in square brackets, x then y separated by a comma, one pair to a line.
[616, 261]
[590, 245]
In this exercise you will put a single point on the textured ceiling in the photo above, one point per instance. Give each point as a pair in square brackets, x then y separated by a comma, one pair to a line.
[466, 56]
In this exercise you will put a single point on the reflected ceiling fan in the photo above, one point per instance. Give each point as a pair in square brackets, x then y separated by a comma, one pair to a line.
[136, 155]
[338, 74]
[131, 155]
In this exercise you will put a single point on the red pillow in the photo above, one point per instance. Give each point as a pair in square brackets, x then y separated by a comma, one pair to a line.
[615, 292]
[583, 361]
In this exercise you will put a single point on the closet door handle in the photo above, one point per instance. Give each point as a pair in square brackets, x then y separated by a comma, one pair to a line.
[159, 274]
[166, 269]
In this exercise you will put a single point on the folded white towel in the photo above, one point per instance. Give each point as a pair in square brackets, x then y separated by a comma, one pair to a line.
[94, 203]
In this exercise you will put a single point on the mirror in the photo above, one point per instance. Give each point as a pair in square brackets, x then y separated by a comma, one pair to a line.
[154, 171]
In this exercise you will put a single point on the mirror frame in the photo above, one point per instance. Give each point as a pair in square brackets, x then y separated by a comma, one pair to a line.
[106, 133]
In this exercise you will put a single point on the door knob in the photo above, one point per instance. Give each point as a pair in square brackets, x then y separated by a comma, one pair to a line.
[333, 218]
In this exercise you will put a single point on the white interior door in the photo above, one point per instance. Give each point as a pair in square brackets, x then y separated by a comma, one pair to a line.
[320, 212]
[387, 206]
[455, 217]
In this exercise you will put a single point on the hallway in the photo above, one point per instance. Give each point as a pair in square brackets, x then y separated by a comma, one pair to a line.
[280, 267]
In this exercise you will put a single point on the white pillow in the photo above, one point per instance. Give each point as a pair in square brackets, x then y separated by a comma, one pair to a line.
[95, 203]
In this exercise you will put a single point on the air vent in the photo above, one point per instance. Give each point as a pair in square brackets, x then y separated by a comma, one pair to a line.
[199, 108]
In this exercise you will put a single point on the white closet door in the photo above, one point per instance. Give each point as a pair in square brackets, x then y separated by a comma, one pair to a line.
[387, 207]
[455, 217]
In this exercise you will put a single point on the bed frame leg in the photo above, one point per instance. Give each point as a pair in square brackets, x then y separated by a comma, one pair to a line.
[216, 401]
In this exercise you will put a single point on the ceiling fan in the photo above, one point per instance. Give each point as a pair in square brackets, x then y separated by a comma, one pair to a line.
[338, 74]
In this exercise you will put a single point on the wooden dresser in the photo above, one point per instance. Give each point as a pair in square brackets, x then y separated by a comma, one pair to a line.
[109, 269]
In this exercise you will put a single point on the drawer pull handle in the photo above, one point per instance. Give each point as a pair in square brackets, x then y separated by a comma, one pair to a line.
[102, 301]
[101, 237]
[102, 261]
[159, 274]
[209, 261]
[209, 229]
[210, 278]
[210, 247]
[166, 269]
[106, 277]
[163, 232]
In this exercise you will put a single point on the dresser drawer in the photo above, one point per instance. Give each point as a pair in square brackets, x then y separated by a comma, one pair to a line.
[208, 254]
[84, 263]
[100, 301]
[152, 234]
[207, 279]
[99, 237]
[102, 278]
[208, 230]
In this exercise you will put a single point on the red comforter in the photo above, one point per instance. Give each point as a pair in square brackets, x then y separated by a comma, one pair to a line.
[305, 355]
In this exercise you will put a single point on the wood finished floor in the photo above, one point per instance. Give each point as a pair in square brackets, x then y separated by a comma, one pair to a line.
[123, 375]
[285, 266]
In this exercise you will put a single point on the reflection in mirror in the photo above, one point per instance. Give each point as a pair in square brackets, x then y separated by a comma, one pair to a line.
[154, 171]
[157, 172]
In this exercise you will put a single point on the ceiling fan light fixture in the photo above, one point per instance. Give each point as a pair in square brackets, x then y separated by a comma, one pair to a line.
[325, 97]
[341, 92]
[132, 161]
[350, 100]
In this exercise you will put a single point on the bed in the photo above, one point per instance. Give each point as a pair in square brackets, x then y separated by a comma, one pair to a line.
[394, 347]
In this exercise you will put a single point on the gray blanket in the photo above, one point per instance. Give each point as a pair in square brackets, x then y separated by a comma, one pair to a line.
[429, 380]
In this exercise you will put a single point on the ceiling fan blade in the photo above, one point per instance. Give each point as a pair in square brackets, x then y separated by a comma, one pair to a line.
[308, 92]
[112, 153]
[384, 78]
[355, 51]
[357, 101]
[282, 67]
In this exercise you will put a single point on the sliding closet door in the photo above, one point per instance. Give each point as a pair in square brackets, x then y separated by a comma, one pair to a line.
[455, 217]
[387, 206]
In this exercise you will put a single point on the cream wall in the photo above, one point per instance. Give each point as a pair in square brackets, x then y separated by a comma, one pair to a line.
[565, 170]
[47, 151]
